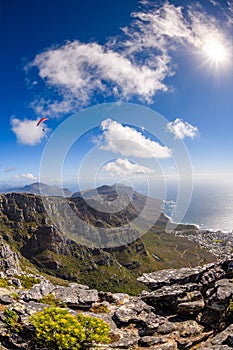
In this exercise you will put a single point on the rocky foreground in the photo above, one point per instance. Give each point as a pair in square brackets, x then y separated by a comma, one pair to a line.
[186, 308]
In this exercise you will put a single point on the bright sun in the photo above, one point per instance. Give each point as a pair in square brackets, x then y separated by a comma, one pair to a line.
[215, 51]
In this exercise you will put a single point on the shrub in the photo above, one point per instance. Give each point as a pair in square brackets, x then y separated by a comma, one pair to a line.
[50, 299]
[99, 309]
[229, 309]
[4, 283]
[57, 329]
[12, 321]
[96, 330]
[27, 282]
[15, 296]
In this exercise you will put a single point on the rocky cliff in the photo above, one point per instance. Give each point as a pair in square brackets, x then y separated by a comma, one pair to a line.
[26, 227]
[187, 308]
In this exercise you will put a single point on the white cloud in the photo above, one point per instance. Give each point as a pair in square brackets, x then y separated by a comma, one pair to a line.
[79, 70]
[123, 167]
[182, 129]
[166, 28]
[25, 176]
[27, 131]
[129, 142]
[134, 64]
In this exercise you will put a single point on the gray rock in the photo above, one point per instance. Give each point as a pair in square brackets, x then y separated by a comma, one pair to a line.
[3, 329]
[151, 324]
[38, 291]
[5, 291]
[191, 296]
[76, 297]
[217, 347]
[158, 279]
[78, 285]
[211, 276]
[224, 289]
[32, 307]
[114, 298]
[158, 343]
[172, 345]
[149, 341]
[6, 299]
[88, 297]
[166, 298]
[134, 311]
[191, 303]
[16, 282]
[19, 307]
[192, 307]
[220, 340]
[189, 328]
[9, 261]
[124, 343]
[167, 327]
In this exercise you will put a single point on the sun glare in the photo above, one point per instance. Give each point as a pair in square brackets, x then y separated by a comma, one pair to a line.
[216, 51]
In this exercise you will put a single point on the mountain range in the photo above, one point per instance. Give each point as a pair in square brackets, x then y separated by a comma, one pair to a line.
[68, 251]
[38, 188]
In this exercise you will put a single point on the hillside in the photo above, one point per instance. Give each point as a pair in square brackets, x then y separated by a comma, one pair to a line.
[187, 308]
[27, 228]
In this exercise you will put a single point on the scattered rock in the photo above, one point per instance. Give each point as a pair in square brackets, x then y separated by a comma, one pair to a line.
[76, 295]
[6, 299]
[186, 308]
[220, 340]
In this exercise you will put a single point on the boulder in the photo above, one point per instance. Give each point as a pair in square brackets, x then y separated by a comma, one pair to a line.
[6, 299]
[158, 279]
[223, 340]
[38, 291]
[134, 311]
[165, 299]
[76, 295]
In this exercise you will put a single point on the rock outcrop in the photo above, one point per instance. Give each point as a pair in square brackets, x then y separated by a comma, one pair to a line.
[185, 309]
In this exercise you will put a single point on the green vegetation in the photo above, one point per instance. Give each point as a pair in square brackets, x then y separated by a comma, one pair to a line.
[173, 251]
[12, 321]
[15, 296]
[99, 309]
[50, 299]
[229, 309]
[96, 330]
[4, 283]
[27, 281]
[57, 329]
[218, 241]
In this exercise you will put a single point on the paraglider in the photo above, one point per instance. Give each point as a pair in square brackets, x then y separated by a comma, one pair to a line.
[41, 121]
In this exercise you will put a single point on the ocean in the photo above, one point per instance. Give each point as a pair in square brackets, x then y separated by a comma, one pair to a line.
[211, 206]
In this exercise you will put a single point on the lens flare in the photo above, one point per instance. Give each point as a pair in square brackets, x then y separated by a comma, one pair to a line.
[216, 51]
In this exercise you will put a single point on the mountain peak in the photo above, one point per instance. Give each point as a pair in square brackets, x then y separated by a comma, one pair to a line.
[40, 188]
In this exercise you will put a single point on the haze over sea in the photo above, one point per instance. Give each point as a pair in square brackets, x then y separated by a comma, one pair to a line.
[211, 205]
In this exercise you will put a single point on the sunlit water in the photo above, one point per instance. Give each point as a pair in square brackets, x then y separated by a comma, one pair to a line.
[211, 206]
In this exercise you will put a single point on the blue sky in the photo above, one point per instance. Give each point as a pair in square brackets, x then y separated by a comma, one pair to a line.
[61, 57]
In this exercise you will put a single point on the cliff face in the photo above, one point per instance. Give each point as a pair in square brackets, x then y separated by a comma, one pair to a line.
[26, 227]
[187, 308]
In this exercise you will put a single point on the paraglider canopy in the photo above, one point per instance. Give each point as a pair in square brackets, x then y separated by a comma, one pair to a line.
[41, 120]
